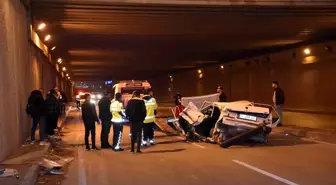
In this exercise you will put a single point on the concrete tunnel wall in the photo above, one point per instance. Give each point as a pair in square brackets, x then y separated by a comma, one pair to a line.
[24, 68]
[308, 82]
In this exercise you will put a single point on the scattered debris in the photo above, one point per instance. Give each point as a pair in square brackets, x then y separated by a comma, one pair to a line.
[2, 171]
[55, 172]
[50, 165]
[65, 161]
[54, 167]
[9, 173]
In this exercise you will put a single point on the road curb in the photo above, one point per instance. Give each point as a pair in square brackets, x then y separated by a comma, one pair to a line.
[33, 172]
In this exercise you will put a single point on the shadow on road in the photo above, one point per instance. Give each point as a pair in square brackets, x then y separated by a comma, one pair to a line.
[164, 151]
[276, 140]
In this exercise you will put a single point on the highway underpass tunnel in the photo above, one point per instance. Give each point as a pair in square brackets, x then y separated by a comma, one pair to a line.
[189, 47]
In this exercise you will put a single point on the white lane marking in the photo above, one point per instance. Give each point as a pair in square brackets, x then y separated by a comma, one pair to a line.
[81, 168]
[199, 146]
[317, 141]
[195, 144]
[285, 181]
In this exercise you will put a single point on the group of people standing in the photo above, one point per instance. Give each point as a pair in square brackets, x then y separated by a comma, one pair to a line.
[45, 112]
[139, 111]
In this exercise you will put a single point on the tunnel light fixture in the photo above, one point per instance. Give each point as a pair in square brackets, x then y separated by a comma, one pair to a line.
[69, 77]
[222, 66]
[59, 61]
[64, 68]
[171, 78]
[41, 26]
[67, 74]
[53, 48]
[47, 37]
[199, 71]
[307, 51]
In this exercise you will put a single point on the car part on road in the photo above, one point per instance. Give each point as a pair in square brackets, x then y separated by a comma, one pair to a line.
[55, 172]
[50, 165]
[10, 173]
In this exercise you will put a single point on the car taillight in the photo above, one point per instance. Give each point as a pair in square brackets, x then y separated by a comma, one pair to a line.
[232, 114]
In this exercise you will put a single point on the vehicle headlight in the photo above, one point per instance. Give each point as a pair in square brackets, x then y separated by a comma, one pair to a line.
[93, 101]
[99, 96]
[93, 96]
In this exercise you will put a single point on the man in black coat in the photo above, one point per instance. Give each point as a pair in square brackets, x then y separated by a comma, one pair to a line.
[53, 110]
[136, 113]
[35, 108]
[89, 116]
[105, 116]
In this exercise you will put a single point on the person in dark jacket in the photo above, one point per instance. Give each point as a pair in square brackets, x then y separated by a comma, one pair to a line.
[63, 101]
[53, 109]
[35, 109]
[278, 99]
[105, 116]
[89, 116]
[222, 96]
[177, 99]
[136, 113]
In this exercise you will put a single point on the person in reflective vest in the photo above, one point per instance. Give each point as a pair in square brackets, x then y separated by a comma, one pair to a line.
[148, 127]
[117, 121]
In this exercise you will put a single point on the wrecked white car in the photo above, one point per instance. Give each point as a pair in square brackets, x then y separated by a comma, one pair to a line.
[227, 123]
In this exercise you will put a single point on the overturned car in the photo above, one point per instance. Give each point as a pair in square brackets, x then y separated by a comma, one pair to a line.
[227, 123]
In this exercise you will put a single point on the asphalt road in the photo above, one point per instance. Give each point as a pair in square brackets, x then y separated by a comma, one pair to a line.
[284, 160]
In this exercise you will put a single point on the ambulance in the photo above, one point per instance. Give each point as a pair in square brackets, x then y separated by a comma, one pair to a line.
[127, 87]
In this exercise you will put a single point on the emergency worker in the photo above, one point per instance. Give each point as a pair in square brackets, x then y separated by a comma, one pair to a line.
[151, 107]
[117, 121]
[136, 113]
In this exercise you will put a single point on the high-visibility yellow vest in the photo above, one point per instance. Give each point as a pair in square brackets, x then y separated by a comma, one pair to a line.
[151, 106]
[115, 108]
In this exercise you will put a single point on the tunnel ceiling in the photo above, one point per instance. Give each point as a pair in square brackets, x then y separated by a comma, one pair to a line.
[100, 40]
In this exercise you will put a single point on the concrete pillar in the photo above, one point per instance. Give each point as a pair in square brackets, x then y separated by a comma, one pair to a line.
[16, 78]
[23, 68]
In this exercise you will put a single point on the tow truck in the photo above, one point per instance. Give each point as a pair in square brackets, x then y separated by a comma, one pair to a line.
[127, 87]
